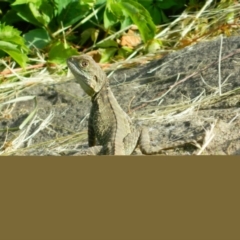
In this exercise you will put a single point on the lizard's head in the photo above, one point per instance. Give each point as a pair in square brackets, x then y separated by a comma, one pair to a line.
[87, 73]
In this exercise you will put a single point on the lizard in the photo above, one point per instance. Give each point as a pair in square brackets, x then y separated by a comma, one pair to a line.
[108, 122]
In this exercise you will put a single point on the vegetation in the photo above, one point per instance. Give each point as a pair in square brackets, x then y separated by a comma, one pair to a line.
[57, 29]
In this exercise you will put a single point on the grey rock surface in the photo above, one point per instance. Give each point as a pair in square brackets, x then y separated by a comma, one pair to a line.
[161, 95]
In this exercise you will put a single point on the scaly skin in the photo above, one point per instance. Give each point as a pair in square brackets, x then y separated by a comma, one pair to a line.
[108, 123]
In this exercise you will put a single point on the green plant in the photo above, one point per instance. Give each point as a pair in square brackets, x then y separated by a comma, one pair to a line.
[49, 23]
[13, 44]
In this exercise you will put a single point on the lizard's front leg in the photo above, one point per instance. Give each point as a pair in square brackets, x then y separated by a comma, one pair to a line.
[92, 150]
[91, 132]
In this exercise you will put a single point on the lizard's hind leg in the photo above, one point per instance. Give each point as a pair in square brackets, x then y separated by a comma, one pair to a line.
[145, 144]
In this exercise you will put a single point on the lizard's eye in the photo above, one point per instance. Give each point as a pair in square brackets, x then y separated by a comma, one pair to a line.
[84, 63]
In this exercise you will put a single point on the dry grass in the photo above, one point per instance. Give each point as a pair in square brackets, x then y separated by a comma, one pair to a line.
[186, 30]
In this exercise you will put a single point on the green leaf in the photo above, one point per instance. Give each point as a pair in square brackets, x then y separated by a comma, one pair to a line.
[15, 53]
[61, 4]
[37, 12]
[114, 8]
[156, 7]
[42, 18]
[100, 2]
[154, 11]
[90, 3]
[113, 14]
[8, 46]
[37, 37]
[73, 12]
[59, 53]
[89, 34]
[141, 17]
[13, 44]
[127, 21]
[24, 12]
[109, 18]
[12, 35]
[10, 17]
[124, 52]
[162, 4]
[107, 44]
[107, 54]
[166, 4]
[19, 2]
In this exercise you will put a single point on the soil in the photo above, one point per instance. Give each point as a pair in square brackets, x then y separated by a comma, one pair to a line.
[177, 97]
